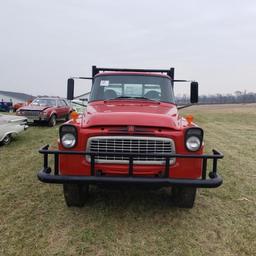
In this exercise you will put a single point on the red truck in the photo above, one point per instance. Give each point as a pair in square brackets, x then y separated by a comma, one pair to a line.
[46, 110]
[131, 133]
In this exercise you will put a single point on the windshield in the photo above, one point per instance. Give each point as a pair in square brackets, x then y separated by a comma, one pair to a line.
[132, 86]
[44, 102]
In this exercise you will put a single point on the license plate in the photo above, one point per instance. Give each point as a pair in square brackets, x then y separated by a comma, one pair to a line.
[32, 119]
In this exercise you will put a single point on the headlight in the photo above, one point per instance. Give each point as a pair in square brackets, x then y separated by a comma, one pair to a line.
[68, 140]
[43, 113]
[193, 143]
[194, 138]
[68, 136]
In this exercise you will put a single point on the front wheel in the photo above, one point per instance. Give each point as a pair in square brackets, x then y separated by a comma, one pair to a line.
[53, 120]
[75, 194]
[7, 139]
[184, 197]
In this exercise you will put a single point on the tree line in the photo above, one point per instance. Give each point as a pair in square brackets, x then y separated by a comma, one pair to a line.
[236, 97]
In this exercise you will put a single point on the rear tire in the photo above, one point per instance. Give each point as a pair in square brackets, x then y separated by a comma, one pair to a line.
[75, 194]
[184, 197]
[7, 139]
[53, 120]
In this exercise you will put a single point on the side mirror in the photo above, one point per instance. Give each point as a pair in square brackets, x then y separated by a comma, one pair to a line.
[70, 89]
[194, 92]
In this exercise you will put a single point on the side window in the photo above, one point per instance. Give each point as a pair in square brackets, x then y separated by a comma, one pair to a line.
[53, 103]
[152, 91]
[133, 90]
[64, 103]
[113, 91]
[61, 103]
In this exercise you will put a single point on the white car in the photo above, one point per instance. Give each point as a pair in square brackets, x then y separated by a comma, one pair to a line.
[10, 126]
[79, 105]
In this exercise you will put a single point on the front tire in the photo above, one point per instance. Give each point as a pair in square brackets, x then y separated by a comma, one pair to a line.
[7, 139]
[53, 120]
[75, 194]
[184, 197]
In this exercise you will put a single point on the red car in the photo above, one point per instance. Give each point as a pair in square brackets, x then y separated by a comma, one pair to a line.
[131, 133]
[21, 104]
[46, 109]
[18, 105]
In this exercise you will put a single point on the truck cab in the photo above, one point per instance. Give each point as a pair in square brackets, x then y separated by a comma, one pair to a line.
[131, 133]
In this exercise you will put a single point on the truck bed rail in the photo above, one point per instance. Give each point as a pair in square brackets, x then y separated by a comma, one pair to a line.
[169, 72]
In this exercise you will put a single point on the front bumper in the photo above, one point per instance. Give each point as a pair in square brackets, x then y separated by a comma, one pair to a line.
[45, 174]
[34, 118]
[37, 119]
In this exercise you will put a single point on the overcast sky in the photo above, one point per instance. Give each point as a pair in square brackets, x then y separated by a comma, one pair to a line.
[42, 43]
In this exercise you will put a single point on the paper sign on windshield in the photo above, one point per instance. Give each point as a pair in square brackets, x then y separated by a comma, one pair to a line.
[104, 83]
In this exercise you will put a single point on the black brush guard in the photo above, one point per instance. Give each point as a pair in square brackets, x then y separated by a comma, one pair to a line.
[213, 181]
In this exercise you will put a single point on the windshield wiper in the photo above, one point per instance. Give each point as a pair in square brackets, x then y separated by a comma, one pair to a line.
[122, 97]
[130, 97]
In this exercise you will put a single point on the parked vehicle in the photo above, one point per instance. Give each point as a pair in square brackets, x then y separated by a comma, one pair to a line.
[20, 104]
[10, 126]
[46, 109]
[6, 106]
[131, 133]
[79, 105]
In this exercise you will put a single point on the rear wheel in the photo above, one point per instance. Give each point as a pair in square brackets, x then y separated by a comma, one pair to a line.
[75, 194]
[53, 120]
[184, 197]
[7, 139]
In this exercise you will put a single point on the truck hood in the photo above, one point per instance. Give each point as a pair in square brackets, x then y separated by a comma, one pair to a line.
[124, 112]
[30, 107]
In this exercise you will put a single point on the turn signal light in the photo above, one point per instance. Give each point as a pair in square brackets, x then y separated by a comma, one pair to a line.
[74, 116]
[189, 119]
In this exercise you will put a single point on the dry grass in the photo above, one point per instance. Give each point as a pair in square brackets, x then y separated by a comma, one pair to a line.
[35, 221]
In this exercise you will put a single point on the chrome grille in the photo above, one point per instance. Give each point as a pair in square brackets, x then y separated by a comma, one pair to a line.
[127, 144]
[30, 112]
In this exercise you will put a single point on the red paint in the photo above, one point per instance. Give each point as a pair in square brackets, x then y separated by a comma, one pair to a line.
[104, 118]
[47, 111]
[130, 112]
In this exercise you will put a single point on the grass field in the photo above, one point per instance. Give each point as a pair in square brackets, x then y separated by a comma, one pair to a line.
[34, 219]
